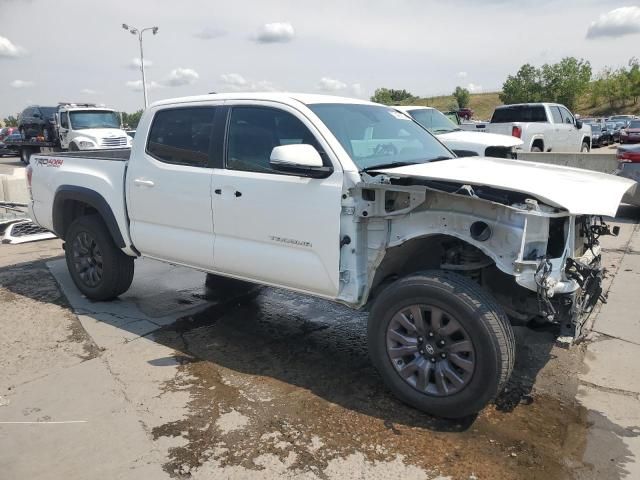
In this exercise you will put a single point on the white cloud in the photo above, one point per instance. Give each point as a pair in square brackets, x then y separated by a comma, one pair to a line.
[135, 63]
[473, 88]
[209, 33]
[233, 80]
[327, 84]
[9, 50]
[462, 75]
[180, 77]
[616, 23]
[278, 32]
[22, 84]
[136, 85]
[237, 83]
[88, 91]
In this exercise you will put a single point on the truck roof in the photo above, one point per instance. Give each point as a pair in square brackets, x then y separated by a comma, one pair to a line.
[283, 97]
[531, 104]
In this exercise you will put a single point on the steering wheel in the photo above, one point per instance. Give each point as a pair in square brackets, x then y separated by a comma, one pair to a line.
[385, 149]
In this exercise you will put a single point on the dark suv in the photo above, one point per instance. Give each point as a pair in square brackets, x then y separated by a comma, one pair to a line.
[35, 121]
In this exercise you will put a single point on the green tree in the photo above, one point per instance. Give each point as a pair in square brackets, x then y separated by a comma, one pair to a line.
[131, 119]
[566, 81]
[390, 96]
[634, 79]
[10, 121]
[462, 96]
[525, 86]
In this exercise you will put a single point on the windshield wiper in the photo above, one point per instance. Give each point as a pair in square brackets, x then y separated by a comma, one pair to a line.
[441, 157]
[388, 165]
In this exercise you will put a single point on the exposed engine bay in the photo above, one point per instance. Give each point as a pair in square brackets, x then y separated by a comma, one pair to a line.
[540, 262]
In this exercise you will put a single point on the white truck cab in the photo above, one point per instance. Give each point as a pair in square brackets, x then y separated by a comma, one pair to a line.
[85, 126]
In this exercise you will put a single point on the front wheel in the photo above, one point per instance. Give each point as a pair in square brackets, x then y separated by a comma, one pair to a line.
[441, 343]
[100, 270]
[73, 147]
[585, 147]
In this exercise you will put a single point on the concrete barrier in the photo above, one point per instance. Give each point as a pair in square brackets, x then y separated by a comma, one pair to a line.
[599, 162]
[13, 187]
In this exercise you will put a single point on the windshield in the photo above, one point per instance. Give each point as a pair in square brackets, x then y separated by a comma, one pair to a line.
[375, 136]
[433, 120]
[84, 119]
[634, 124]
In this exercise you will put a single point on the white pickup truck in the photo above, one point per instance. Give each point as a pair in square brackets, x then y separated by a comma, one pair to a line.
[463, 144]
[348, 201]
[543, 127]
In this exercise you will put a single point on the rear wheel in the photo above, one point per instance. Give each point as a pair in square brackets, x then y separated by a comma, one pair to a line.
[25, 155]
[100, 270]
[536, 149]
[441, 343]
[585, 147]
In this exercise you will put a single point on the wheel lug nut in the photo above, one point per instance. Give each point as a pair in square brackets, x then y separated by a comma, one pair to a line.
[431, 334]
[441, 342]
[443, 355]
[433, 359]
[421, 352]
[420, 339]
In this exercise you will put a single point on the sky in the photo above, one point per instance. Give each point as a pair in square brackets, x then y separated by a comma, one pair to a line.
[77, 51]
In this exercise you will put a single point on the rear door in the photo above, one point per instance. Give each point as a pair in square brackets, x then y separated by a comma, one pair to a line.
[169, 186]
[561, 131]
[573, 141]
[276, 228]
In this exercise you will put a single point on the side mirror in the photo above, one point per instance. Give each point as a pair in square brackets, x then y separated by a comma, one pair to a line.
[578, 124]
[299, 159]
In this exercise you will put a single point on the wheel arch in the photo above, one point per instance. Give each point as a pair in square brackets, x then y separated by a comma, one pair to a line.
[72, 201]
[418, 254]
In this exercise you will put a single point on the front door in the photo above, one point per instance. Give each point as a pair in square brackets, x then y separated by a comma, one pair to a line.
[169, 186]
[63, 129]
[272, 227]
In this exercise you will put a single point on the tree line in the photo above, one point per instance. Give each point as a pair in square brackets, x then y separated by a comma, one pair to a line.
[566, 82]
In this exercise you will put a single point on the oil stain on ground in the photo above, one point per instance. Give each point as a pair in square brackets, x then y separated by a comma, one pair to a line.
[289, 376]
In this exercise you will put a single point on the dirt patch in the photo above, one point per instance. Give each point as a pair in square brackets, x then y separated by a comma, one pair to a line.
[296, 370]
[38, 331]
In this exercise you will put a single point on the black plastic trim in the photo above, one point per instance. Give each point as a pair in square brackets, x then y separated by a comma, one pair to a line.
[91, 198]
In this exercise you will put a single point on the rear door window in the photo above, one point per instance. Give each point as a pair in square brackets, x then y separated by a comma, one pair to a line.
[555, 113]
[182, 136]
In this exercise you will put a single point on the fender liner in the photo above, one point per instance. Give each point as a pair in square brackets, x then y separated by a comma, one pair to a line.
[91, 198]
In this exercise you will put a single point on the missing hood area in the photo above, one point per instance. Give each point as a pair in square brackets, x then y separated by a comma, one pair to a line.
[515, 183]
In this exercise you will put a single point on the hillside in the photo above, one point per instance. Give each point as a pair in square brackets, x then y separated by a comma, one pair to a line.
[483, 105]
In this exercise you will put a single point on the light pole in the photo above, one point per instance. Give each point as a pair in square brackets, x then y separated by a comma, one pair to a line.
[139, 32]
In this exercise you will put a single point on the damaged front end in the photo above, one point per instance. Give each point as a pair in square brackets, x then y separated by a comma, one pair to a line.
[569, 297]
[541, 262]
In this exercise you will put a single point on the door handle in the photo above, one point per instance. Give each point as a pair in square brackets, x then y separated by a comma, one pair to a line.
[143, 183]
[218, 191]
[238, 194]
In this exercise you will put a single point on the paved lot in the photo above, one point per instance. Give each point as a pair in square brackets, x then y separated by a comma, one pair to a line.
[168, 382]
[7, 164]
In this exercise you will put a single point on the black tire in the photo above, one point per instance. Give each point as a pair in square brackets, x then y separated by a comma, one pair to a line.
[73, 147]
[25, 155]
[225, 288]
[585, 147]
[536, 149]
[115, 268]
[483, 320]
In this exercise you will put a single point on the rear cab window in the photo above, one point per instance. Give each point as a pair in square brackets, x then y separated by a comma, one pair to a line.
[520, 113]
